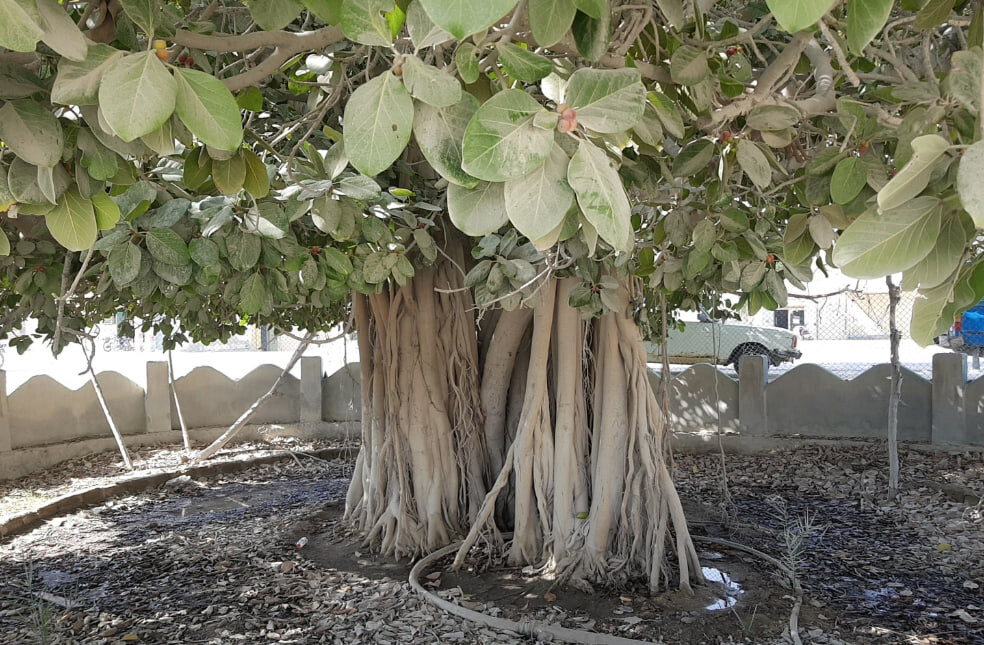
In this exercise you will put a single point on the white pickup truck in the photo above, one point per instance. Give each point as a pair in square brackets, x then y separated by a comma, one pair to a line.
[725, 344]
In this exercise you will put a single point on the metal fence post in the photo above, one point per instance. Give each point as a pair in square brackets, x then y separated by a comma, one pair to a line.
[157, 398]
[949, 403]
[751, 395]
[5, 439]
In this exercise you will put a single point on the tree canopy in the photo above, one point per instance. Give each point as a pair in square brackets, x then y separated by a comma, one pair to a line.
[213, 162]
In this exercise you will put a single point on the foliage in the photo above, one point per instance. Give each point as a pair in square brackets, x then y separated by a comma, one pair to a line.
[203, 164]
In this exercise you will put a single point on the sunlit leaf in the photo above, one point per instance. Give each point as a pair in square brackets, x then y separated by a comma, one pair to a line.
[60, 31]
[462, 18]
[501, 141]
[796, 15]
[915, 175]
[606, 101]
[208, 108]
[137, 95]
[378, 121]
[20, 25]
[551, 20]
[601, 195]
[538, 202]
[32, 132]
[72, 222]
[477, 211]
[864, 21]
[439, 132]
[429, 84]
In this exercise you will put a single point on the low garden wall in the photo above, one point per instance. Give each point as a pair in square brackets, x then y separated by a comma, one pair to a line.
[43, 422]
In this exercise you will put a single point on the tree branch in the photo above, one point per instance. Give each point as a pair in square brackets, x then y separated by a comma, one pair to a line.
[286, 44]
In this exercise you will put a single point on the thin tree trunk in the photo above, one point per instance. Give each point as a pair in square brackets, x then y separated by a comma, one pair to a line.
[896, 390]
[177, 404]
[109, 418]
[240, 423]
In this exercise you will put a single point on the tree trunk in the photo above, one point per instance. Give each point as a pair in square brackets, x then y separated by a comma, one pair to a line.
[580, 466]
[896, 390]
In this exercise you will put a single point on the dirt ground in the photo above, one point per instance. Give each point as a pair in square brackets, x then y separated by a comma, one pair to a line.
[214, 560]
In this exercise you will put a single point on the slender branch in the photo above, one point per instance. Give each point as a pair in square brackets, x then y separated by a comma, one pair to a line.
[177, 405]
[839, 53]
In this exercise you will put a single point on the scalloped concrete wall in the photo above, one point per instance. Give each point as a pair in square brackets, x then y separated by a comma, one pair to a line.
[210, 398]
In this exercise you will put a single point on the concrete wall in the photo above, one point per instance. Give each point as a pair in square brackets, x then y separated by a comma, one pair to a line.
[42, 422]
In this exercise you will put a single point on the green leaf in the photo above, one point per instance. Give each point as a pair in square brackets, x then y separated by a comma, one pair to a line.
[521, 64]
[161, 140]
[439, 132]
[501, 141]
[107, 212]
[72, 222]
[124, 264]
[864, 21]
[772, 117]
[337, 261]
[964, 81]
[538, 202]
[77, 83]
[915, 175]
[364, 21]
[932, 314]
[208, 109]
[874, 245]
[4, 244]
[137, 95]
[197, 168]
[796, 15]
[551, 20]
[591, 36]
[250, 99]
[257, 181]
[850, 176]
[693, 158]
[429, 84]
[466, 58]
[242, 249]
[143, 13]
[311, 275]
[668, 114]
[751, 275]
[477, 211]
[254, 296]
[943, 260]
[32, 132]
[271, 15]
[462, 18]
[60, 31]
[20, 25]
[336, 217]
[204, 252]
[606, 101]
[378, 120]
[167, 246]
[601, 196]
[970, 182]
[688, 66]
[754, 162]
[229, 174]
[933, 14]
[330, 11]
[423, 31]
[822, 231]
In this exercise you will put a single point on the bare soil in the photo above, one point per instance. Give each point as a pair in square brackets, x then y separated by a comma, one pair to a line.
[215, 560]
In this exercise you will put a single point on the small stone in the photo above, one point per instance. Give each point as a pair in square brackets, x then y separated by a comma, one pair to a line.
[970, 584]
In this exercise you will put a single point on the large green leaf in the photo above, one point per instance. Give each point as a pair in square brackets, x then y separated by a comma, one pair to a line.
[32, 132]
[850, 176]
[502, 142]
[429, 84]
[77, 83]
[915, 175]
[107, 211]
[754, 162]
[72, 222]
[439, 132]
[693, 158]
[591, 35]
[864, 21]
[934, 13]
[378, 120]
[274, 14]
[137, 95]
[538, 202]
[932, 314]
[688, 65]
[364, 21]
[330, 11]
[143, 13]
[772, 117]
[477, 211]
[943, 260]
[876, 245]
[601, 196]
[257, 181]
[668, 113]
[551, 19]
[521, 64]
[124, 264]
[466, 58]
[229, 174]
[796, 15]
[254, 296]
[423, 31]
[20, 25]
[462, 18]
[167, 246]
[60, 31]
[208, 108]
[970, 182]
[243, 249]
[4, 244]
[606, 101]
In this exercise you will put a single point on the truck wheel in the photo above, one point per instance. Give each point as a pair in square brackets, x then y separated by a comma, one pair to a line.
[752, 349]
